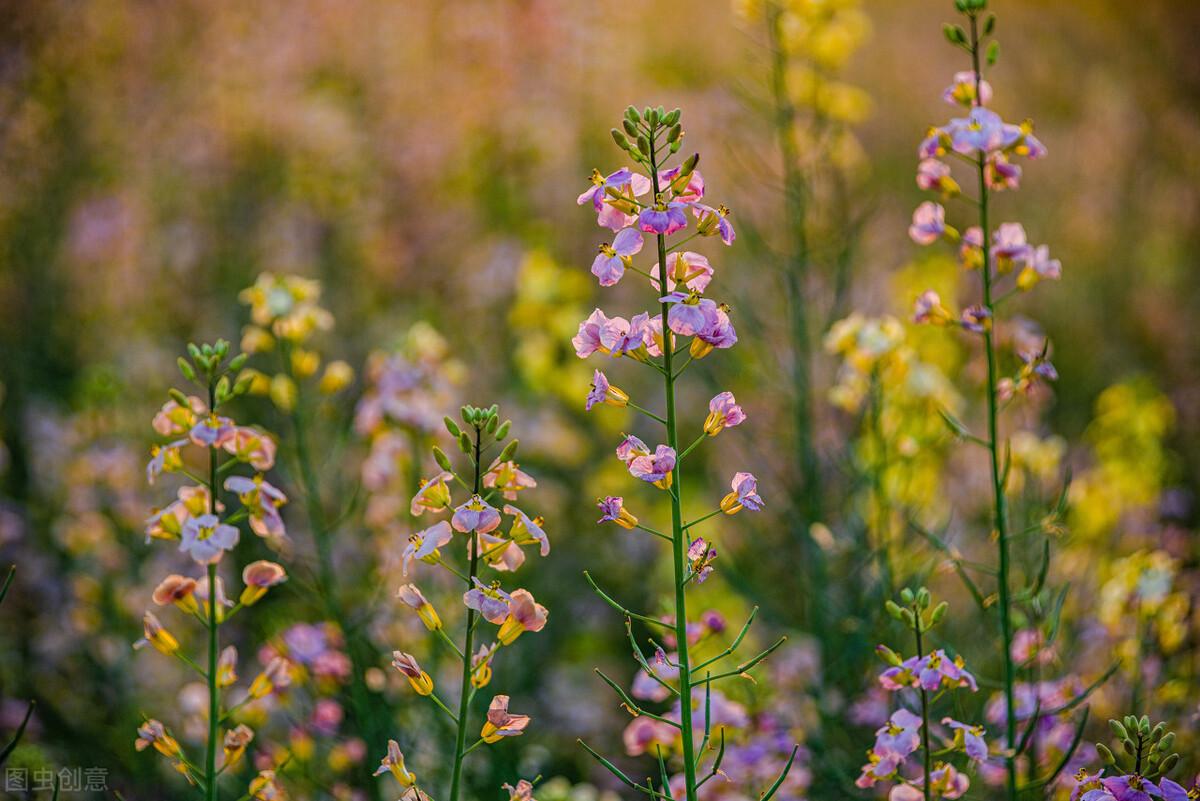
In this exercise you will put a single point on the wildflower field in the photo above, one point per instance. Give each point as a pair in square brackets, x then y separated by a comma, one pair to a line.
[679, 401]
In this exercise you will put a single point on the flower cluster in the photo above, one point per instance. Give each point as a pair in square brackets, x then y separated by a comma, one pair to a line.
[206, 531]
[1137, 769]
[487, 542]
[919, 681]
[658, 205]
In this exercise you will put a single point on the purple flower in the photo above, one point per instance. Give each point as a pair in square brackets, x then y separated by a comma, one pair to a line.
[612, 510]
[976, 318]
[424, 544]
[599, 391]
[1001, 174]
[489, 601]
[723, 412]
[690, 313]
[262, 501]
[690, 192]
[981, 131]
[1131, 788]
[475, 515]
[691, 269]
[744, 495]
[1010, 246]
[719, 333]
[623, 337]
[654, 468]
[714, 222]
[589, 338]
[630, 448]
[1172, 791]
[611, 261]
[1039, 267]
[934, 176]
[527, 530]
[212, 431]
[928, 223]
[624, 181]
[962, 91]
[663, 218]
[936, 668]
[972, 738]
[700, 557]
[206, 538]
[899, 737]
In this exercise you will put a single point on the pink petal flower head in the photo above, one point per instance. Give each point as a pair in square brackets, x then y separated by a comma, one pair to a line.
[178, 590]
[164, 459]
[929, 309]
[174, 419]
[394, 763]
[1010, 247]
[610, 263]
[689, 313]
[744, 495]
[259, 577]
[723, 412]
[963, 92]
[612, 510]
[488, 600]
[663, 218]
[645, 735]
[433, 496]
[1039, 267]
[475, 515]
[206, 538]
[212, 431]
[719, 333]
[627, 338]
[700, 556]
[509, 478]
[981, 131]
[588, 340]
[969, 737]
[689, 188]
[611, 211]
[602, 392]
[527, 530]
[630, 448]
[522, 792]
[411, 596]
[411, 669]
[503, 556]
[934, 176]
[947, 782]
[655, 468]
[970, 251]
[687, 268]
[928, 223]
[501, 723]
[424, 545]
[262, 501]
[253, 447]
[1027, 144]
[154, 733]
[899, 737]
[976, 319]
[524, 614]
[1001, 174]
[714, 222]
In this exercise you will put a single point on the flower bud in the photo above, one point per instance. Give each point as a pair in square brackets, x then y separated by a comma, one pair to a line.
[939, 612]
[1168, 764]
[509, 451]
[492, 424]
[674, 134]
[893, 609]
[923, 598]
[1167, 741]
[238, 362]
[452, 426]
[464, 442]
[188, 372]
[631, 114]
[1106, 756]
[338, 375]
[283, 392]
[468, 415]
[441, 458]
[630, 127]
[502, 431]
[643, 145]
[889, 656]
[179, 397]
[906, 596]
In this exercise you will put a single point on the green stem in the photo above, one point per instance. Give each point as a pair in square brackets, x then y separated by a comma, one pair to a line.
[364, 711]
[883, 536]
[927, 752]
[214, 692]
[464, 700]
[807, 496]
[1000, 503]
[679, 540]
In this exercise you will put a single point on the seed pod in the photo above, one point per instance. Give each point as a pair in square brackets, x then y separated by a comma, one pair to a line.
[989, 24]
[441, 458]
[468, 415]
[955, 35]
[510, 450]
[993, 52]
[452, 426]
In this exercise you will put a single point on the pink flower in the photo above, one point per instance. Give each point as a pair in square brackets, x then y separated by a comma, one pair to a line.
[929, 309]
[655, 468]
[612, 510]
[663, 218]
[928, 223]
[723, 412]
[689, 313]
[501, 723]
[688, 268]
[689, 192]
[589, 338]
[527, 530]
[744, 495]
[610, 263]
[714, 222]
[1001, 174]
[253, 447]
[424, 545]
[962, 91]
[509, 478]
[174, 419]
[212, 431]
[970, 737]
[475, 515]
[625, 182]
[262, 501]
[644, 734]
[524, 614]
[1009, 246]
[630, 448]
[934, 176]
[489, 601]
[434, 495]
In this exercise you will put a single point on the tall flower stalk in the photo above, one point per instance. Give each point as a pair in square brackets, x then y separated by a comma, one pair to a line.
[928, 675]
[198, 521]
[487, 547]
[679, 280]
[987, 145]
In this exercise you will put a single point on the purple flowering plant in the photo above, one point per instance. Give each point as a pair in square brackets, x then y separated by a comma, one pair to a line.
[205, 529]
[1136, 770]
[684, 327]
[917, 683]
[495, 535]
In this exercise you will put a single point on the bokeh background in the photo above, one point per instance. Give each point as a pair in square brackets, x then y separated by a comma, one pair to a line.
[421, 160]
